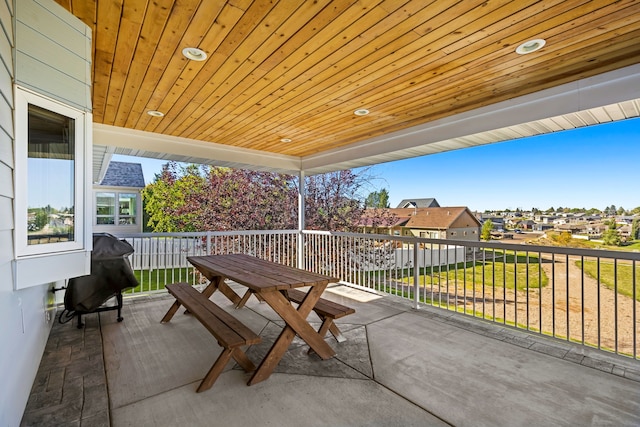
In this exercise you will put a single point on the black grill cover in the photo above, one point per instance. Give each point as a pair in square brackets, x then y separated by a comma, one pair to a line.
[110, 274]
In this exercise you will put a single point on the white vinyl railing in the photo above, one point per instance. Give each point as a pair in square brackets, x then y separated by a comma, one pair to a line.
[580, 295]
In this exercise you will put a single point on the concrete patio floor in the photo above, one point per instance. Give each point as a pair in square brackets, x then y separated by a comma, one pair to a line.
[398, 367]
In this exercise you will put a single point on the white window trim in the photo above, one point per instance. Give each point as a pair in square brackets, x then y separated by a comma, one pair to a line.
[116, 215]
[82, 228]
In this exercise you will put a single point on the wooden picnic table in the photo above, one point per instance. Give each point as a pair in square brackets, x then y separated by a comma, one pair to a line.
[267, 280]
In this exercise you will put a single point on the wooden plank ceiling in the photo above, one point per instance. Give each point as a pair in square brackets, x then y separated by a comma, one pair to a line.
[298, 70]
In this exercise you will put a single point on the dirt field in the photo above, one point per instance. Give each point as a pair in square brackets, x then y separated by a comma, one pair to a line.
[579, 297]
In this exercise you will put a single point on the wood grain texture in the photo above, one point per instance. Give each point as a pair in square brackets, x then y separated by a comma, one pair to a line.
[298, 70]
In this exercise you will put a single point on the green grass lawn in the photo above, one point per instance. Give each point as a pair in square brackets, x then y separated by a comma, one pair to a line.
[512, 271]
[607, 276]
[154, 280]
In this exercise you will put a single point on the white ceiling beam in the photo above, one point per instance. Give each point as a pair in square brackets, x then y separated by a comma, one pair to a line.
[604, 89]
[177, 148]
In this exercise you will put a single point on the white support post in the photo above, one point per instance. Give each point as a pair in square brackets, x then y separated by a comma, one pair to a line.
[301, 206]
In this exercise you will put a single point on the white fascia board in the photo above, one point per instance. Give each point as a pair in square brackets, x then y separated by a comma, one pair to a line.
[215, 154]
[604, 89]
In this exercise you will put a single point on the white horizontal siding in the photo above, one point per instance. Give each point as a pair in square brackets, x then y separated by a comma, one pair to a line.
[53, 51]
[6, 28]
[6, 221]
[6, 184]
[6, 111]
[6, 148]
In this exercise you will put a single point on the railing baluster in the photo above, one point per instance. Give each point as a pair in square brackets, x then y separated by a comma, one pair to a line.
[553, 294]
[567, 297]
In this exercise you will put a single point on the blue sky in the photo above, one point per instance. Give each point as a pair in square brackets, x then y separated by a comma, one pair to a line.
[596, 166]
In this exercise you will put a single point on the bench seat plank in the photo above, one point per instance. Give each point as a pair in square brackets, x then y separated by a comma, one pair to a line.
[230, 333]
[327, 310]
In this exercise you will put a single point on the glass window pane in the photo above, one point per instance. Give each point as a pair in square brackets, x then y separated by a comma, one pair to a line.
[127, 204]
[108, 220]
[106, 204]
[51, 177]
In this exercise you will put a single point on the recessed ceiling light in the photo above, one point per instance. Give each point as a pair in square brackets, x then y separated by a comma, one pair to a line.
[194, 53]
[155, 113]
[530, 46]
[361, 112]
[285, 140]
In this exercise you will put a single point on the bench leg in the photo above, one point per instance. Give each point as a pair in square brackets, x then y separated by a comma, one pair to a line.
[329, 326]
[237, 354]
[172, 310]
[241, 358]
[337, 333]
[215, 370]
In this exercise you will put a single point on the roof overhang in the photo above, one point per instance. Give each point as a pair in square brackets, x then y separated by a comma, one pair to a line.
[600, 99]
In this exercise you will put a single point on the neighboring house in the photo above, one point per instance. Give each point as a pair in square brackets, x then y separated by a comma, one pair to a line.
[453, 223]
[624, 232]
[118, 199]
[545, 218]
[542, 227]
[595, 230]
[497, 221]
[526, 224]
[571, 228]
[418, 203]
[625, 219]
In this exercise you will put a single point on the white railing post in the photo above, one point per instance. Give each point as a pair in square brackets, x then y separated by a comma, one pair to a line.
[416, 276]
[301, 206]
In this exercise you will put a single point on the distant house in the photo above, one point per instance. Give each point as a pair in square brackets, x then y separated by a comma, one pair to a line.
[118, 200]
[625, 232]
[418, 203]
[546, 219]
[453, 223]
[497, 221]
[542, 227]
[526, 224]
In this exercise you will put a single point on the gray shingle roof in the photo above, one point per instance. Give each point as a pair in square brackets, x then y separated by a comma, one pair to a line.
[122, 174]
[419, 203]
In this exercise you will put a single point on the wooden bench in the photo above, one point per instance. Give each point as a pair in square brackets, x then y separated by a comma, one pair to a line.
[230, 333]
[327, 310]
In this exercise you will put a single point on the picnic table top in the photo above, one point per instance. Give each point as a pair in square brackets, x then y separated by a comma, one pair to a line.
[257, 274]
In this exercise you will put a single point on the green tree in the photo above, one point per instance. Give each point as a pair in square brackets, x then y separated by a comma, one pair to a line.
[199, 198]
[167, 200]
[610, 236]
[377, 199]
[635, 229]
[486, 230]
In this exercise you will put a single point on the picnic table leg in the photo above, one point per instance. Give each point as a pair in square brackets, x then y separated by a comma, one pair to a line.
[228, 292]
[214, 284]
[244, 298]
[294, 319]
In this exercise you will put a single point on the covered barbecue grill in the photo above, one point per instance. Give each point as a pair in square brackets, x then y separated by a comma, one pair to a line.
[111, 273]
